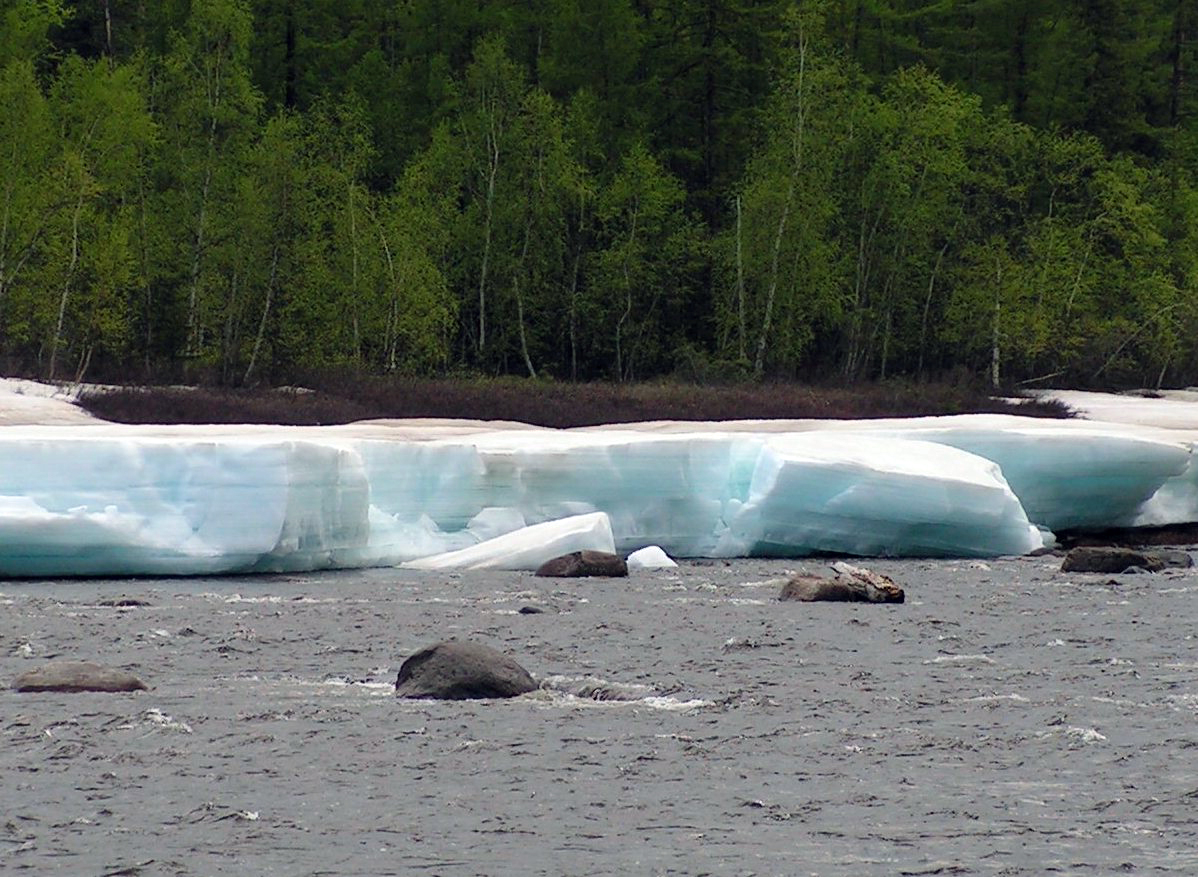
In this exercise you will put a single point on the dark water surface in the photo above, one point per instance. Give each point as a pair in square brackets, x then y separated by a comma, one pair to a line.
[1008, 719]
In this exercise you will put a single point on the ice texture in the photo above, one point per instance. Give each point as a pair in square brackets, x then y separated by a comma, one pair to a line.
[529, 547]
[102, 499]
[650, 557]
[852, 494]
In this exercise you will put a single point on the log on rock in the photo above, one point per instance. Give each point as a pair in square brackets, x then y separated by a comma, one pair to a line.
[852, 584]
[75, 676]
[584, 563]
[454, 670]
[1098, 559]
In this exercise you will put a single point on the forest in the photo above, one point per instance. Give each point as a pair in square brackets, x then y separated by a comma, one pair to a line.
[617, 190]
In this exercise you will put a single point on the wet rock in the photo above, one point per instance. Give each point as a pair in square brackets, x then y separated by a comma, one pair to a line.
[852, 584]
[584, 563]
[531, 610]
[812, 589]
[454, 670]
[76, 676]
[1106, 559]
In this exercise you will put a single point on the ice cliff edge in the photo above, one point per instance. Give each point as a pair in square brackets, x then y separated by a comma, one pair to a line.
[107, 499]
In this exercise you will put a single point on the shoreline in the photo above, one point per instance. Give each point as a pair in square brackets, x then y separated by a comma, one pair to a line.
[339, 400]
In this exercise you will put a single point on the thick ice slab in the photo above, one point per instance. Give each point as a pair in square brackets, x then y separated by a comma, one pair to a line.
[1066, 473]
[529, 547]
[865, 495]
[85, 504]
[109, 499]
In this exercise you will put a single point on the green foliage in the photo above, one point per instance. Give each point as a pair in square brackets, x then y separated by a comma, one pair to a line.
[25, 27]
[618, 188]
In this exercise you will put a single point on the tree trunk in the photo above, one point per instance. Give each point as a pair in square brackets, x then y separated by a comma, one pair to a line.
[270, 290]
[85, 360]
[492, 173]
[193, 327]
[147, 293]
[1177, 78]
[927, 306]
[391, 339]
[353, 287]
[532, 372]
[627, 295]
[108, 34]
[66, 286]
[740, 287]
[289, 64]
[230, 337]
[995, 353]
[797, 159]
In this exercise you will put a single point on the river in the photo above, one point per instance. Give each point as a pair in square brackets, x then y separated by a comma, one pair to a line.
[1007, 719]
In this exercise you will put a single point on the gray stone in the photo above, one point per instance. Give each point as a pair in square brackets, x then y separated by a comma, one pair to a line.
[584, 563]
[852, 584]
[1103, 559]
[454, 670]
[817, 589]
[74, 676]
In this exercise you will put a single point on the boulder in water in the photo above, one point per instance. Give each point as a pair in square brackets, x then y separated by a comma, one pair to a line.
[75, 676]
[1110, 559]
[852, 584]
[584, 563]
[454, 670]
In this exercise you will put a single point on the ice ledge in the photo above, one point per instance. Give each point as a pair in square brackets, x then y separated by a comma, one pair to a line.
[109, 499]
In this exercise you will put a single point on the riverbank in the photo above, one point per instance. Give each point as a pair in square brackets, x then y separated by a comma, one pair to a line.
[332, 399]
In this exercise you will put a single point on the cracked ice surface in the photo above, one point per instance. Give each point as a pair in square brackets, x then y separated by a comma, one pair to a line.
[108, 499]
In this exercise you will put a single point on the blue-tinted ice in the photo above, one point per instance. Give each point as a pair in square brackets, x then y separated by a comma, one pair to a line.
[108, 499]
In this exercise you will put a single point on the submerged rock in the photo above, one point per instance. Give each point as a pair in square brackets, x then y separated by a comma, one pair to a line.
[75, 676]
[584, 563]
[852, 584]
[1107, 559]
[454, 670]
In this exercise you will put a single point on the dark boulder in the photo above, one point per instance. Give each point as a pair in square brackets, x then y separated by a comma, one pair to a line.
[584, 563]
[77, 676]
[455, 670]
[852, 584]
[1106, 559]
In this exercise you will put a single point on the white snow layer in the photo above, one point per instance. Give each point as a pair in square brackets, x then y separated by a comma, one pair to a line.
[107, 499]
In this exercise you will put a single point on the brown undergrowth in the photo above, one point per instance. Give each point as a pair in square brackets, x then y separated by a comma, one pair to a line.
[338, 398]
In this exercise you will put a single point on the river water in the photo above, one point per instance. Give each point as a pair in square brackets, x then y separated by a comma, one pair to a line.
[1007, 719]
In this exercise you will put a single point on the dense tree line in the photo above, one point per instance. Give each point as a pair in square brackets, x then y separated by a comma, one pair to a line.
[600, 188]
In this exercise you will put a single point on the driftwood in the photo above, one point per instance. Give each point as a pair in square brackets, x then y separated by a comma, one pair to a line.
[852, 584]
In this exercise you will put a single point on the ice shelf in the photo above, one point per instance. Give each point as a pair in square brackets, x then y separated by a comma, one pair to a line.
[100, 499]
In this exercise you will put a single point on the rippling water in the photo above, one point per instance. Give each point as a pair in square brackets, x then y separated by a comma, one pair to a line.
[1008, 719]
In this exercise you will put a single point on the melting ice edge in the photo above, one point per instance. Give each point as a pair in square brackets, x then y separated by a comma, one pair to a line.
[108, 499]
